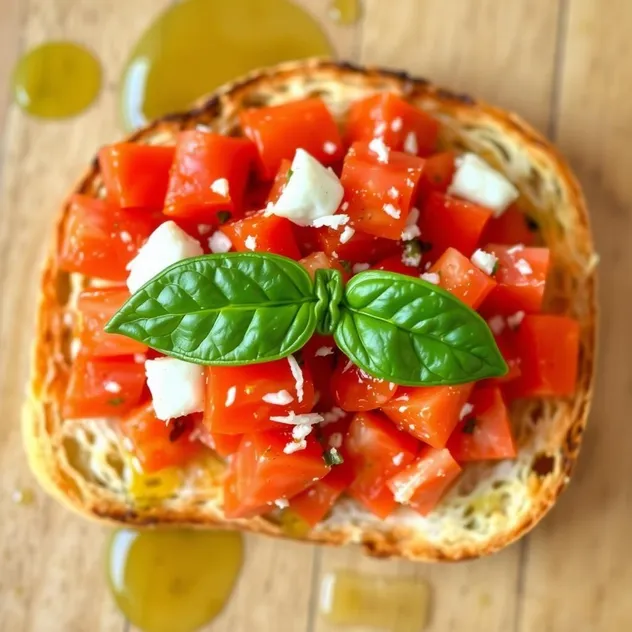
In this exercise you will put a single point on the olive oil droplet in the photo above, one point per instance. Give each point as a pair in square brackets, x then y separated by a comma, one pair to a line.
[56, 80]
[396, 604]
[197, 45]
[23, 496]
[345, 11]
[172, 580]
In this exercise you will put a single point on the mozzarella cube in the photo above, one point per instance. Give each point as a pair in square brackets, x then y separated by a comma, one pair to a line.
[485, 261]
[474, 180]
[176, 386]
[312, 191]
[166, 245]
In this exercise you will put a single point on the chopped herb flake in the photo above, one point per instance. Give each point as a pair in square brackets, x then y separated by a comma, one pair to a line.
[333, 457]
[469, 425]
[223, 216]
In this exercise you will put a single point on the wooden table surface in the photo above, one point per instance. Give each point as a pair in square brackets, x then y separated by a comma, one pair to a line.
[562, 64]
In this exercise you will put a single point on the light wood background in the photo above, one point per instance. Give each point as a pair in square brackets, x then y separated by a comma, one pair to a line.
[566, 66]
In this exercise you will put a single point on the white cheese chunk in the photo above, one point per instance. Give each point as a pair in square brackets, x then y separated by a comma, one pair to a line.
[475, 181]
[218, 242]
[430, 277]
[166, 245]
[176, 386]
[221, 187]
[485, 261]
[312, 191]
[280, 398]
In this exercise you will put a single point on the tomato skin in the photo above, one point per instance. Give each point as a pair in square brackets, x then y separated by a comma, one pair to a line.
[437, 174]
[320, 261]
[485, 433]
[95, 307]
[271, 233]
[280, 180]
[278, 131]
[395, 263]
[313, 504]
[425, 481]
[461, 277]
[265, 473]
[246, 411]
[428, 413]
[87, 394]
[379, 195]
[517, 291]
[223, 444]
[548, 348]
[371, 446]
[510, 228]
[354, 390]
[152, 439]
[319, 355]
[99, 240]
[135, 175]
[448, 222]
[375, 117]
[506, 342]
[361, 248]
[202, 158]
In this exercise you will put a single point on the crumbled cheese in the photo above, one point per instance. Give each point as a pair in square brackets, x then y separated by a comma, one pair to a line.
[324, 351]
[485, 261]
[379, 129]
[165, 246]
[330, 148]
[297, 374]
[204, 229]
[292, 419]
[126, 238]
[466, 410]
[335, 441]
[360, 267]
[220, 186]
[411, 146]
[250, 242]
[176, 386]
[496, 324]
[312, 192]
[230, 396]
[331, 221]
[218, 242]
[430, 277]
[282, 503]
[112, 387]
[346, 234]
[398, 458]
[522, 265]
[335, 414]
[475, 181]
[515, 319]
[344, 207]
[280, 398]
[393, 193]
[396, 124]
[378, 147]
[300, 431]
[411, 232]
[294, 446]
[391, 211]
[514, 249]
[403, 409]
[411, 258]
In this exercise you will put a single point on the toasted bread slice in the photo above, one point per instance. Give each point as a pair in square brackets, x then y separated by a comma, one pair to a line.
[84, 462]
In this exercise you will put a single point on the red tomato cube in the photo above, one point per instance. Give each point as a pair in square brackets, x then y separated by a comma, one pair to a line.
[278, 131]
[209, 175]
[461, 277]
[361, 248]
[423, 483]
[135, 175]
[485, 432]
[223, 444]
[280, 180]
[379, 191]
[396, 263]
[354, 390]
[428, 413]
[320, 261]
[511, 228]
[436, 175]
[403, 126]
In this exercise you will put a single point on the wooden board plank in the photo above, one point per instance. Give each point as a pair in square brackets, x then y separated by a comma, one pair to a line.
[503, 52]
[583, 544]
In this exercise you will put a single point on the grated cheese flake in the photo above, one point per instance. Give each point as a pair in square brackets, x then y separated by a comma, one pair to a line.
[250, 242]
[297, 374]
[391, 211]
[411, 146]
[220, 186]
[230, 396]
[280, 398]
[378, 147]
[430, 277]
[346, 234]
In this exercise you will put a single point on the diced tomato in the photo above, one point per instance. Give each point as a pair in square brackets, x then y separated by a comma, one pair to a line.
[158, 444]
[320, 261]
[233, 506]
[437, 174]
[423, 483]
[208, 175]
[103, 387]
[265, 472]
[223, 444]
[548, 347]
[395, 263]
[388, 116]
[361, 248]
[263, 233]
[379, 194]
[313, 504]
[235, 396]
[355, 390]
[506, 342]
[429, 413]
[485, 433]
[510, 228]
[447, 222]
[521, 278]
[319, 354]
[278, 131]
[280, 180]
[95, 307]
[377, 450]
[135, 175]
[461, 277]
[99, 240]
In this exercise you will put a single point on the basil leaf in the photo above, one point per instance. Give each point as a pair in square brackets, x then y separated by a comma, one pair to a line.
[234, 308]
[328, 290]
[411, 332]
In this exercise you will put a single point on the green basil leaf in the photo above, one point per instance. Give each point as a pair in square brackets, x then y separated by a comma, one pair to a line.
[328, 289]
[229, 309]
[411, 332]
